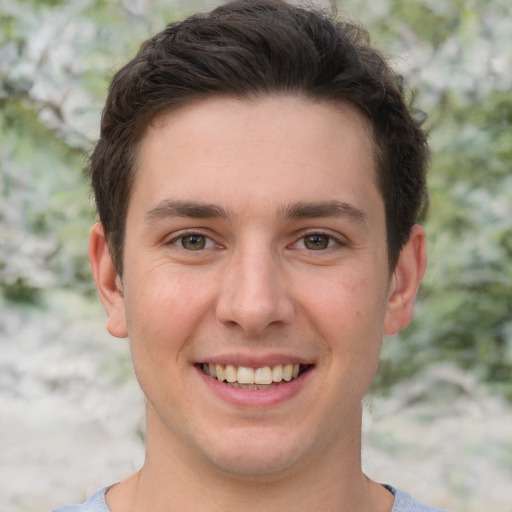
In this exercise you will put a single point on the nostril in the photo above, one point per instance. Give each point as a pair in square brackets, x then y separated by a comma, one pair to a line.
[253, 295]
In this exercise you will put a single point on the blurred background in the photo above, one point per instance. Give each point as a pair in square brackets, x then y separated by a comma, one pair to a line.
[439, 419]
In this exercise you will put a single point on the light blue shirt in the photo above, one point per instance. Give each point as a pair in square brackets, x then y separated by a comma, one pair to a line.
[403, 503]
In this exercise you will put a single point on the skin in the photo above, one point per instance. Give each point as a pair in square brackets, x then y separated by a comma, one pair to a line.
[262, 175]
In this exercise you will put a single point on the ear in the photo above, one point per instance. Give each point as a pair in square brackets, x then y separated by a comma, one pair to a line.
[107, 281]
[405, 281]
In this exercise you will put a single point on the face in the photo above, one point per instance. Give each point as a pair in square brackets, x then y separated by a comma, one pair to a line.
[256, 287]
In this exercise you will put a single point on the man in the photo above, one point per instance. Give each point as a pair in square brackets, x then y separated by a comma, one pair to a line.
[258, 181]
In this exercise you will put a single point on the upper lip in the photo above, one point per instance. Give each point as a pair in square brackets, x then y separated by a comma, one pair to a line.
[255, 361]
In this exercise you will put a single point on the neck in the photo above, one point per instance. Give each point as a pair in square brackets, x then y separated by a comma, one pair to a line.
[174, 478]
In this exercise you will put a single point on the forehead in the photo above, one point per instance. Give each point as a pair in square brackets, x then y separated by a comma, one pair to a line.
[258, 152]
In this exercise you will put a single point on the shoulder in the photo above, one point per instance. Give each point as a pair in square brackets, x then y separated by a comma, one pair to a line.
[405, 503]
[96, 503]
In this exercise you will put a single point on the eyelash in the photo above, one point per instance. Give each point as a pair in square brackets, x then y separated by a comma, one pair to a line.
[176, 239]
[332, 241]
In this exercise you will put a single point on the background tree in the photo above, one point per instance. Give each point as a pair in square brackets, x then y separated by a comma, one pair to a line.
[56, 58]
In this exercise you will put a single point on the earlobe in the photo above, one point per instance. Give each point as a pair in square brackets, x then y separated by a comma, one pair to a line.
[107, 281]
[405, 281]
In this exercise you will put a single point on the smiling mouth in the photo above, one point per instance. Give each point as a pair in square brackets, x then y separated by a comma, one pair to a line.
[244, 377]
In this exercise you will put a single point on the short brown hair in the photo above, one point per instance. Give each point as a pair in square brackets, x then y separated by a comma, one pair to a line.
[251, 48]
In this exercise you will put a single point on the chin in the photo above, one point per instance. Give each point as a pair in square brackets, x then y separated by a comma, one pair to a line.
[255, 454]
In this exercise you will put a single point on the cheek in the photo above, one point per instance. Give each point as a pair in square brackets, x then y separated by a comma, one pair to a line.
[160, 318]
[165, 312]
[349, 316]
[352, 303]
[166, 301]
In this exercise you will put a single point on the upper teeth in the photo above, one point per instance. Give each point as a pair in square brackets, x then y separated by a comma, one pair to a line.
[247, 375]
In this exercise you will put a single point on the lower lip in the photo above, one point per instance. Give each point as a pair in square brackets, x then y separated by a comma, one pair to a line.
[255, 397]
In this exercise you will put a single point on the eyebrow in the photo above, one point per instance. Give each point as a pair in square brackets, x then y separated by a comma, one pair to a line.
[192, 209]
[307, 210]
[294, 211]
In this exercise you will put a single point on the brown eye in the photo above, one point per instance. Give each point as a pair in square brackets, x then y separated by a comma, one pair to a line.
[193, 242]
[316, 242]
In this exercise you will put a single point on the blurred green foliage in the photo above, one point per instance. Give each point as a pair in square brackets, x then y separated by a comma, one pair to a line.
[56, 58]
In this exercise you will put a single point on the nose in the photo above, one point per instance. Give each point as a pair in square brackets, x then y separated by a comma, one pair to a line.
[254, 295]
